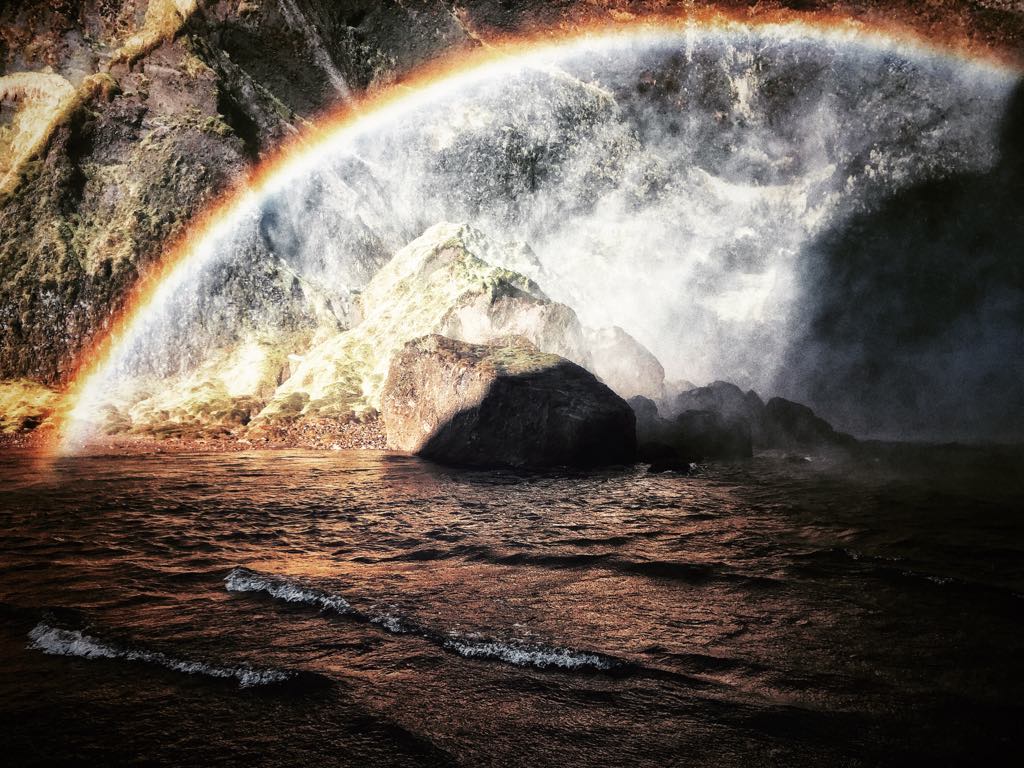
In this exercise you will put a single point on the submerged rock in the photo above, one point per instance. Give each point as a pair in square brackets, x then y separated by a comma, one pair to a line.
[506, 404]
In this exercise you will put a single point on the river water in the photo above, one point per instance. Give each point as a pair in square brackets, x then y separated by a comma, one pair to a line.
[362, 608]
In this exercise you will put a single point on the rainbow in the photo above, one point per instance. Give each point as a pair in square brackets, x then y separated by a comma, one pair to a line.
[299, 156]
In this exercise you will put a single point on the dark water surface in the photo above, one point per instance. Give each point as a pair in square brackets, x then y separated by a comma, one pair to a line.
[364, 609]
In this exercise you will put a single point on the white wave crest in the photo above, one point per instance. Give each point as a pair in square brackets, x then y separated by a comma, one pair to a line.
[71, 642]
[244, 580]
[470, 646]
[522, 655]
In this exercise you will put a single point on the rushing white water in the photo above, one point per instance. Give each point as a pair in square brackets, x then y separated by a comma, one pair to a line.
[668, 183]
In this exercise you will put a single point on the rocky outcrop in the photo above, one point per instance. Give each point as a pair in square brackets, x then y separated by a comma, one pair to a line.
[437, 284]
[688, 438]
[624, 364]
[779, 424]
[505, 404]
[315, 370]
[792, 425]
[728, 401]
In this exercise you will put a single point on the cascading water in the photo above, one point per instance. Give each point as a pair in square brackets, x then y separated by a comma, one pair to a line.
[669, 183]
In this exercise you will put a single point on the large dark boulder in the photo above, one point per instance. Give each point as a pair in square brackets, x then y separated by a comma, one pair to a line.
[503, 404]
[792, 425]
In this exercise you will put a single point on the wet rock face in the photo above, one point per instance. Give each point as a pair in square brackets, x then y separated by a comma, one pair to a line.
[193, 94]
[94, 213]
[506, 404]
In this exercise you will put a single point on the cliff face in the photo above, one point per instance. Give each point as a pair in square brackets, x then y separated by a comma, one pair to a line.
[122, 119]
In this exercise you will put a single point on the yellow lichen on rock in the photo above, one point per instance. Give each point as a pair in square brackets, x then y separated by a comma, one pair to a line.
[27, 405]
[420, 291]
[164, 20]
[41, 100]
[219, 397]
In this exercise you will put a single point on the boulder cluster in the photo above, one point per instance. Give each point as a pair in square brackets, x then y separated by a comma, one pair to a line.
[507, 377]
[454, 354]
[722, 422]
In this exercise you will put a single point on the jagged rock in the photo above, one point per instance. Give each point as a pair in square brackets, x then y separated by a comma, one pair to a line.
[730, 402]
[673, 389]
[439, 283]
[506, 404]
[624, 364]
[791, 425]
[692, 436]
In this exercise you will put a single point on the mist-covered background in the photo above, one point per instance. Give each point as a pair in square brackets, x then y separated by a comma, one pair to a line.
[832, 221]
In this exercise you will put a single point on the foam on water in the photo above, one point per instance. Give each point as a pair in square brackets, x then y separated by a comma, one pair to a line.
[467, 645]
[524, 655]
[244, 580]
[72, 642]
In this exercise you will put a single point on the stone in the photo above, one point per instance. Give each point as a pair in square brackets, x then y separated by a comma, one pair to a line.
[792, 425]
[506, 404]
[624, 364]
[692, 436]
[730, 402]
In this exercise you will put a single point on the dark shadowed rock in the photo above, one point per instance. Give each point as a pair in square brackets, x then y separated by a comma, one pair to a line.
[692, 436]
[646, 411]
[710, 435]
[790, 425]
[505, 404]
[730, 402]
[779, 424]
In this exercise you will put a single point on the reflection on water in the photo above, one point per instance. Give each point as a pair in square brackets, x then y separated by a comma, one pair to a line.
[361, 608]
